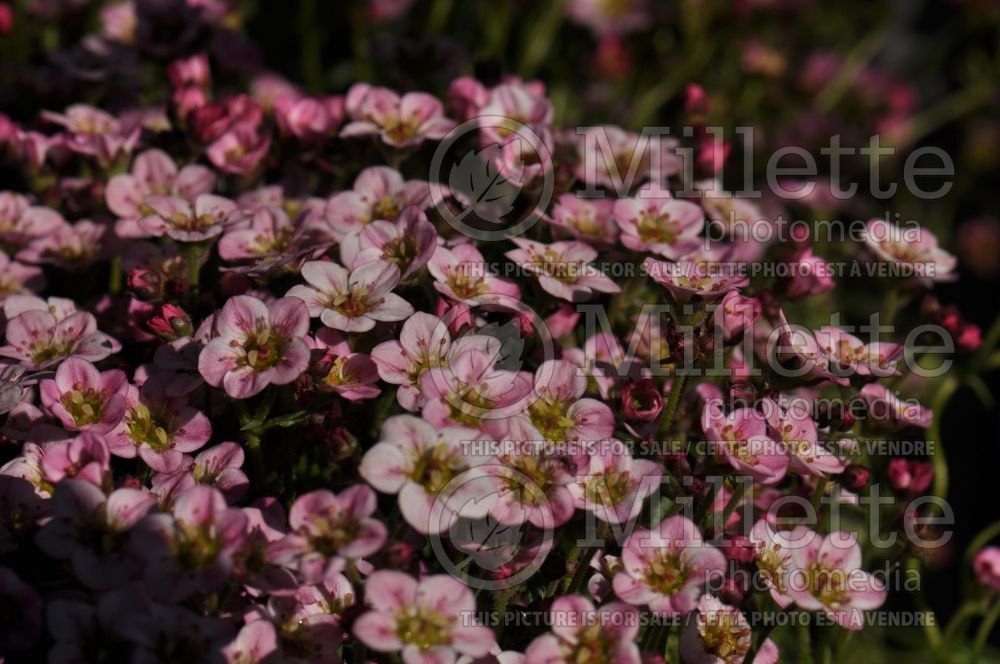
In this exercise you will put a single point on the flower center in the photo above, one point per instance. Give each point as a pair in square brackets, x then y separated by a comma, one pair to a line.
[422, 628]
[386, 208]
[435, 467]
[262, 349]
[194, 547]
[724, 636]
[149, 428]
[331, 531]
[549, 417]
[667, 573]
[402, 251]
[610, 487]
[593, 646]
[84, 404]
[659, 229]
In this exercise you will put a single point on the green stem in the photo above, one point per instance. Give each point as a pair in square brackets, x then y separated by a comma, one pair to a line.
[738, 492]
[930, 626]
[676, 388]
[582, 567]
[986, 627]
[956, 625]
[805, 648]
[817, 497]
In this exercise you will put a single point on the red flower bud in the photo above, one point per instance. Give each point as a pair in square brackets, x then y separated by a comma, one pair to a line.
[642, 400]
[854, 477]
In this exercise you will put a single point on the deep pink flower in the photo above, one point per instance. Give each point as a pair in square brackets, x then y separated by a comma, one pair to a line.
[83, 398]
[986, 565]
[563, 269]
[654, 221]
[352, 301]
[306, 118]
[667, 568]
[400, 121]
[736, 314]
[429, 621]
[581, 633]
[38, 340]
[641, 400]
[379, 193]
[827, 576]
[418, 461]
[910, 475]
[799, 353]
[720, 634]
[849, 355]
[328, 530]
[157, 427]
[531, 484]
[612, 484]
[192, 70]
[186, 221]
[90, 529]
[240, 150]
[809, 275]
[256, 345]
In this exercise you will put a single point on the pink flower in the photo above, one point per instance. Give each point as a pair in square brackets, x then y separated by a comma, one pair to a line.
[736, 314]
[352, 301]
[617, 159]
[986, 565]
[462, 274]
[256, 345]
[158, 428]
[849, 355]
[694, 277]
[379, 193]
[911, 476]
[18, 278]
[466, 96]
[510, 105]
[70, 246]
[582, 633]
[667, 568]
[90, 530]
[795, 429]
[612, 484]
[563, 268]
[418, 461]
[889, 410]
[720, 634]
[588, 220]
[327, 531]
[185, 221]
[305, 118]
[92, 132]
[83, 398]
[913, 247]
[38, 340]
[654, 221]
[471, 391]
[193, 70]
[430, 621]
[21, 222]
[399, 121]
[424, 342]
[153, 173]
[349, 374]
[741, 439]
[799, 353]
[773, 557]
[828, 577]
[257, 643]
[531, 484]
[810, 275]
[217, 466]
[408, 243]
[190, 551]
[85, 457]
[240, 150]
